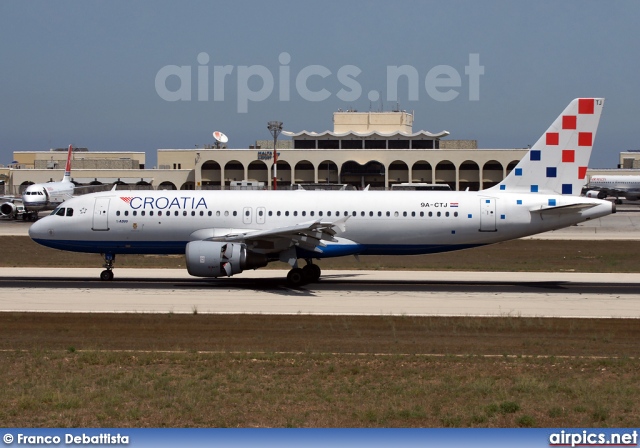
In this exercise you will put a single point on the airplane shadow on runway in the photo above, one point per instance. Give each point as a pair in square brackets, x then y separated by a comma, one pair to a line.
[279, 284]
[334, 282]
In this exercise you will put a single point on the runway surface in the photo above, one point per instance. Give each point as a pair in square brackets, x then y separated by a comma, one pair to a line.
[339, 292]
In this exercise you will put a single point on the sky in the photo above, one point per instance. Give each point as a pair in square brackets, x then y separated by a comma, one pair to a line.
[142, 75]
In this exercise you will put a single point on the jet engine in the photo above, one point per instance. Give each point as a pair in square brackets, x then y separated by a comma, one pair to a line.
[596, 194]
[8, 209]
[215, 259]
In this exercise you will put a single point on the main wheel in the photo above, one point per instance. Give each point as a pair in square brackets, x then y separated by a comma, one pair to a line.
[106, 275]
[311, 273]
[295, 277]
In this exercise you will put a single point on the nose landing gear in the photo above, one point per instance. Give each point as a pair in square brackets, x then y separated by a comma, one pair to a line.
[107, 274]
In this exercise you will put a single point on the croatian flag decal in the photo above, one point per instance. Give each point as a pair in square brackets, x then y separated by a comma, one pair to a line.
[453, 204]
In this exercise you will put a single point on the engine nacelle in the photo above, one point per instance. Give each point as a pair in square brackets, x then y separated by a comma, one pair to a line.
[8, 209]
[596, 194]
[215, 259]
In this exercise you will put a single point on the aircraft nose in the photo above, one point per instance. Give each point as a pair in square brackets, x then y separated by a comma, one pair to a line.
[40, 229]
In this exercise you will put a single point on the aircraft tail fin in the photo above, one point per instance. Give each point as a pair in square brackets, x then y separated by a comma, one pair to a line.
[558, 162]
[67, 169]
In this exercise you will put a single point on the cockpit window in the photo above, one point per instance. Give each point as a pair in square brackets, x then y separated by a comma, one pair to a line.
[60, 211]
[69, 212]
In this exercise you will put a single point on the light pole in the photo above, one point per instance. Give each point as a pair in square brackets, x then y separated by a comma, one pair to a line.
[275, 127]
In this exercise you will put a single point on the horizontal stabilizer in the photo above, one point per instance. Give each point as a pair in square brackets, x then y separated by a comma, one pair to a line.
[563, 209]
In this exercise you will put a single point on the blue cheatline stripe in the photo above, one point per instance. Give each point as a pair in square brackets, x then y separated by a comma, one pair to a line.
[178, 247]
[118, 247]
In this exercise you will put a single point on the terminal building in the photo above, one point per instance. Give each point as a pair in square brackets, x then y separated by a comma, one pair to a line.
[374, 149]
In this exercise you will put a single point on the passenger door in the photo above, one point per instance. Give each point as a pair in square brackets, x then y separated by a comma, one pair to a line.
[101, 214]
[488, 215]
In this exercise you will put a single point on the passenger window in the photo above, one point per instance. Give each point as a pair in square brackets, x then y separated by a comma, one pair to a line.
[328, 213]
[430, 214]
[379, 214]
[319, 213]
[439, 214]
[413, 214]
[151, 213]
[295, 213]
[118, 213]
[218, 213]
[142, 213]
[246, 213]
[235, 213]
[193, 213]
[69, 212]
[455, 214]
[260, 213]
[159, 213]
[135, 213]
[337, 213]
[404, 214]
[209, 213]
[201, 213]
[225, 213]
[388, 213]
[304, 213]
[286, 213]
[370, 213]
[422, 214]
[311, 213]
[176, 213]
[446, 214]
[126, 213]
[396, 214]
[270, 213]
[279, 213]
[184, 213]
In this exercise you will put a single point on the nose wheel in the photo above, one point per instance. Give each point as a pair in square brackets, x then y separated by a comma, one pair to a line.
[107, 274]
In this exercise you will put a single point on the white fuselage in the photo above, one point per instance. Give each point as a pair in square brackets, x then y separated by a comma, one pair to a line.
[617, 183]
[38, 197]
[379, 222]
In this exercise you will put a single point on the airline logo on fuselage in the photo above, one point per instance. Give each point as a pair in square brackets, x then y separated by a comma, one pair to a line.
[163, 202]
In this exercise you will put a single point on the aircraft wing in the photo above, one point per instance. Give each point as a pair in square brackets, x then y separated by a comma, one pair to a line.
[310, 235]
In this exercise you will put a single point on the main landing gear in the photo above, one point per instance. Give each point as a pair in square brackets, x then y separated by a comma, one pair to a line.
[308, 274]
[107, 274]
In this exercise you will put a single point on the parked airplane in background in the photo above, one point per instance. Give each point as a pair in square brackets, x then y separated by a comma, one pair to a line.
[223, 233]
[626, 186]
[38, 197]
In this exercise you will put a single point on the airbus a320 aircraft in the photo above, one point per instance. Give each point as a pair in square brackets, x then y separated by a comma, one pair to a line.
[47, 196]
[626, 186]
[223, 233]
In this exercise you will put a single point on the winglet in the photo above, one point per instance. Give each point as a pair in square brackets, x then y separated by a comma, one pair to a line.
[558, 162]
